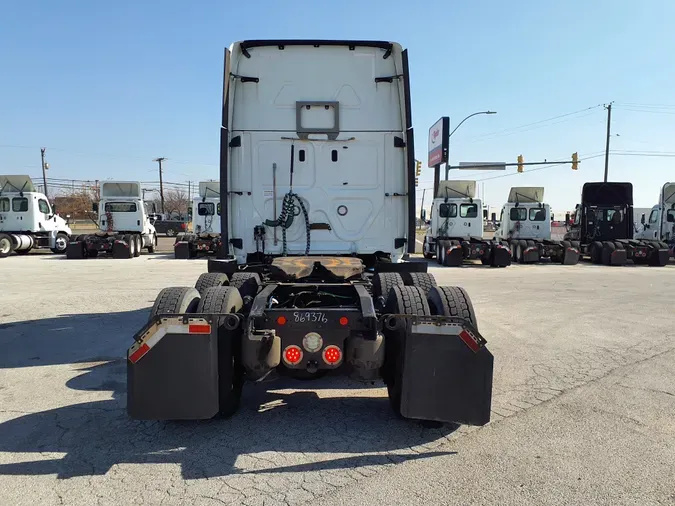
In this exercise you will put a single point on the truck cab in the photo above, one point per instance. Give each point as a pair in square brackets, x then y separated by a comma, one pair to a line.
[525, 215]
[206, 208]
[28, 220]
[122, 209]
[660, 225]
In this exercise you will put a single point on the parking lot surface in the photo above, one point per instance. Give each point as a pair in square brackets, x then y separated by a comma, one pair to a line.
[583, 403]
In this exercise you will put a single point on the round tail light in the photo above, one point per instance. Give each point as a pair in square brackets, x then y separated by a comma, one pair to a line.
[292, 355]
[332, 355]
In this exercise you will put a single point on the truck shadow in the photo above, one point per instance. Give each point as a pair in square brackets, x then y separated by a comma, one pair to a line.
[275, 431]
[68, 339]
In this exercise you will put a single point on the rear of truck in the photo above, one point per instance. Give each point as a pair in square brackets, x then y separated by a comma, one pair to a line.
[206, 227]
[316, 143]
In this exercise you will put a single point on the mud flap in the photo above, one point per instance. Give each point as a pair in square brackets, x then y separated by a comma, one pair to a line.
[121, 249]
[76, 250]
[501, 256]
[659, 257]
[613, 256]
[176, 377]
[181, 250]
[454, 256]
[570, 256]
[531, 255]
[447, 374]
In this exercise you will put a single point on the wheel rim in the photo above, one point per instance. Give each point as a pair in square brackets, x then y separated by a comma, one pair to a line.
[5, 246]
[61, 243]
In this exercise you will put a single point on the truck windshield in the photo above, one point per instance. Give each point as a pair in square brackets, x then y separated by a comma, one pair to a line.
[120, 207]
[447, 210]
[4, 205]
[468, 210]
[20, 204]
[537, 214]
[205, 209]
[518, 214]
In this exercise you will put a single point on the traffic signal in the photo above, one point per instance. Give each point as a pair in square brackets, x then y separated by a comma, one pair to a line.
[418, 168]
[417, 181]
[575, 161]
[520, 163]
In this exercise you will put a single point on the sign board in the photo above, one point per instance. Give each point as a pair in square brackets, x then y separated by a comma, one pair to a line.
[439, 138]
[482, 165]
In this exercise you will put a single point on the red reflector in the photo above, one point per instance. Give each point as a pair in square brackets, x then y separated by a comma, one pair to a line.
[344, 321]
[469, 340]
[332, 354]
[199, 328]
[293, 354]
[136, 356]
[183, 226]
[281, 320]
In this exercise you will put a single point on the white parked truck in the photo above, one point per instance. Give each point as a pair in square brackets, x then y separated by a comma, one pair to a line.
[661, 223]
[27, 219]
[456, 230]
[335, 293]
[205, 235]
[125, 225]
[525, 224]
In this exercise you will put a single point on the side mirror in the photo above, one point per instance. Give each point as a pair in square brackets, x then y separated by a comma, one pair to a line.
[642, 219]
[494, 216]
[94, 207]
[424, 214]
[485, 214]
[567, 217]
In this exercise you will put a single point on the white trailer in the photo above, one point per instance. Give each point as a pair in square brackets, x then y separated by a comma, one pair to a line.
[525, 224]
[124, 221]
[456, 230]
[661, 223]
[205, 237]
[27, 219]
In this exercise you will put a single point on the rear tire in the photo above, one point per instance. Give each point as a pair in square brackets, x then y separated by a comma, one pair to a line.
[226, 299]
[139, 245]
[247, 283]
[407, 300]
[153, 243]
[452, 301]
[425, 247]
[422, 280]
[175, 300]
[209, 280]
[383, 282]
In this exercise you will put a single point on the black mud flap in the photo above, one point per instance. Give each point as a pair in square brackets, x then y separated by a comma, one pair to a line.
[224, 265]
[454, 255]
[181, 250]
[402, 267]
[531, 255]
[76, 250]
[570, 256]
[614, 257]
[500, 256]
[175, 378]
[121, 249]
[659, 257]
[447, 374]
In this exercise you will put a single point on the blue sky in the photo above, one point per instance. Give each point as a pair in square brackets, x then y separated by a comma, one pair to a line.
[108, 86]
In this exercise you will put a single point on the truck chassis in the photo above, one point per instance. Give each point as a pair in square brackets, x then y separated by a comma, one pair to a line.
[619, 251]
[528, 251]
[191, 245]
[453, 252]
[304, 317]
[116, 245]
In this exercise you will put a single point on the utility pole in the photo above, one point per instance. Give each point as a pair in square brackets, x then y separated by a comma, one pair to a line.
[609, 126]
[44, 171]
[161, 184]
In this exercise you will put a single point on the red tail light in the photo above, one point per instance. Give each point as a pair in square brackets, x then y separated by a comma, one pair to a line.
[293, 354]
[344, 321]
[332, 354]
[199, 329]
[183, 226]
[281, 320]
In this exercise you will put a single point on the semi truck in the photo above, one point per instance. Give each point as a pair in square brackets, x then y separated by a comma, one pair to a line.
[205, 235]
[661, 223]
[336, 294]
[456, 230]
[525, 224]
[27, 219]
[603, 226]
[124, 222]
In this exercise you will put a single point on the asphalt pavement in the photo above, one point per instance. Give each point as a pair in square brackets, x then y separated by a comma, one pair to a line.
[583, 402]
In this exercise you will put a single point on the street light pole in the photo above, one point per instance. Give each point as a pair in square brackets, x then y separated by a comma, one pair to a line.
[447, 170]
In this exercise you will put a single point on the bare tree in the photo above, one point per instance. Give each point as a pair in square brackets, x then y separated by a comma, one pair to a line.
[176, 202]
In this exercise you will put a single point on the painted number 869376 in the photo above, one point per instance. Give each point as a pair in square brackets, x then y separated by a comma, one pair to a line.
[309, 317]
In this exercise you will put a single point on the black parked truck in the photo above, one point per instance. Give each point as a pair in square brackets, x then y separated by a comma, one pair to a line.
[334, 293]
[603, 225]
